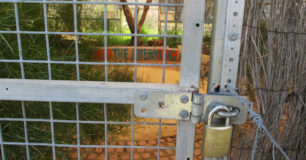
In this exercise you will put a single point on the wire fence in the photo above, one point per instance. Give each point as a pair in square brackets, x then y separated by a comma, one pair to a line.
[21, 126]
[271, 74]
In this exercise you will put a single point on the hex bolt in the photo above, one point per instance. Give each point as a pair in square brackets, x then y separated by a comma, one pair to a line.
[233, 36]
[143, 96]
[184, 114]
[184, 99]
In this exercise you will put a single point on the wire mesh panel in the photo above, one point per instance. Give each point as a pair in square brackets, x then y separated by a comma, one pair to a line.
[108, 40]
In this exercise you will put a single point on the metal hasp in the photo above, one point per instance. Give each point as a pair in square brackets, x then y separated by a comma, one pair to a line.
[185, 106]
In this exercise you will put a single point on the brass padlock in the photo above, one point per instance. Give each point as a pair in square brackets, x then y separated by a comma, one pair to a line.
[216, 138]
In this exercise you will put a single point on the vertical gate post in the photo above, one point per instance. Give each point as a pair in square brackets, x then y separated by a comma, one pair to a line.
[190, 70]
[224, 57]
[217, 42]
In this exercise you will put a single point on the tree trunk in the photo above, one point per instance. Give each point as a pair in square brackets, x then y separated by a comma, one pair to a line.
[131, 21]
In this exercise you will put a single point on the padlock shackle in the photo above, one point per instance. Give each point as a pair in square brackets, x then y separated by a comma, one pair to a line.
[215, 110]
[230, 114]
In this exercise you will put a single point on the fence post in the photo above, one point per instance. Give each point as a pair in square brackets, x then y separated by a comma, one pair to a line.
[190, 70]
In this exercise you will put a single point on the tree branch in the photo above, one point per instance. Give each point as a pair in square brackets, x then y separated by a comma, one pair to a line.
[128, 16]
[131, 20]
[144, 14]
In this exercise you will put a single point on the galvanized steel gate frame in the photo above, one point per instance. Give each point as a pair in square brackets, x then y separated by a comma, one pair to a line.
[223, 70]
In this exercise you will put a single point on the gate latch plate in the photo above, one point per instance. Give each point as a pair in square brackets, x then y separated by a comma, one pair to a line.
[165, 105]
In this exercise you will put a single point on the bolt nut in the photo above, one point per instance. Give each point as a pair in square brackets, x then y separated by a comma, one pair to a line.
[143, 96]
[184, 99]
[184, 114]
[233, 36]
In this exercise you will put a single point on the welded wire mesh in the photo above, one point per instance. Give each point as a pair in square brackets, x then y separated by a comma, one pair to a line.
[22, 122]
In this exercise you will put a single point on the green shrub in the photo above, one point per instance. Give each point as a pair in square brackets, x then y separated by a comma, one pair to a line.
[34, 47]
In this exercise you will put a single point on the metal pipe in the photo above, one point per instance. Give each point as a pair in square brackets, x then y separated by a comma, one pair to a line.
[217, 41]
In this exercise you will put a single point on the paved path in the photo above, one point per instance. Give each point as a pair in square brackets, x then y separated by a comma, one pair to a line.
[141, 154]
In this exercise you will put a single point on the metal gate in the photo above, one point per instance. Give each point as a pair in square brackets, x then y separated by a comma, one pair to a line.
[181, 101]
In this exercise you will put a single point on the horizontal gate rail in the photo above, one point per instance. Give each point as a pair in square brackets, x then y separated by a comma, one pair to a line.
[94, 2]
[76, 91]
[83, 122]
[83, 146]
[87, 63]
[90, 34]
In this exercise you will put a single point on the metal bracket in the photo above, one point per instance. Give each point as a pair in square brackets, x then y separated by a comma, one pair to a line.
[159, 104]
[184, 105]
[231, 50]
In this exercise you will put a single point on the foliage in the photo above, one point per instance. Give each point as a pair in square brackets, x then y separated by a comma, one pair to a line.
[64, 133]
[130, 19]
[62, 48]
